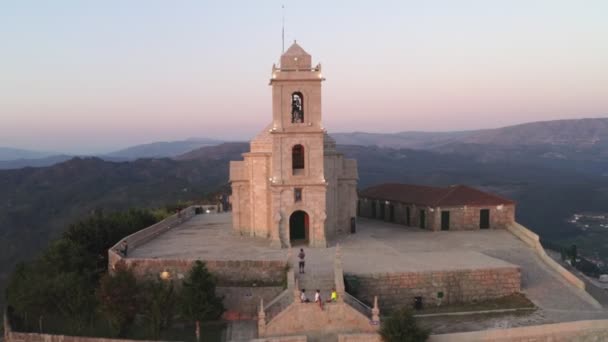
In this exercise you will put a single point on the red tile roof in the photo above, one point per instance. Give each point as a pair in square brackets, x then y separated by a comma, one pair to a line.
[455, 195]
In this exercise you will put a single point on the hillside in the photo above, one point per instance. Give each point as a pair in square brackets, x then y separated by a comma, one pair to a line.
[582, 139]
[36, 162]
[38, 203]
[163, 149]
[9, 153]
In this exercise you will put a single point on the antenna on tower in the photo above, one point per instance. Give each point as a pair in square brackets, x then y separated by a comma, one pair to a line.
[283, 30]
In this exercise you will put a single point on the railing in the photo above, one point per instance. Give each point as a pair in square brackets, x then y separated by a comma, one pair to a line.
[283, 300]
[357, 305]
[278, 304]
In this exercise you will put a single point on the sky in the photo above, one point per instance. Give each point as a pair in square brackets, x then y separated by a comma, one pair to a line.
[95, 76]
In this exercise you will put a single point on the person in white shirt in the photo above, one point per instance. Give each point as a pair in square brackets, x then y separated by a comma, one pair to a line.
[303, 298]
[318, 299]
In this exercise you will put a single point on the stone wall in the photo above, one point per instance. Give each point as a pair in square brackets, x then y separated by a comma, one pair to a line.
[359, 338]
[149, 233]
[397, 290]
[579, 331]
[13, 336]
[228, 272]
[141, 237]
[461, 217]
[299, 338]
[531, 239]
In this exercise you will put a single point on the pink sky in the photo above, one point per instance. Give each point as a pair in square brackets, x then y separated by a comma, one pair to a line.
[83, 78]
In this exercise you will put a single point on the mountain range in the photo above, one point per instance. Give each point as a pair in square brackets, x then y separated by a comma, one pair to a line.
[584, 140]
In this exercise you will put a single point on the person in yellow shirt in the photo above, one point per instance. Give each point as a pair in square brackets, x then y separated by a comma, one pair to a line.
[334, 295]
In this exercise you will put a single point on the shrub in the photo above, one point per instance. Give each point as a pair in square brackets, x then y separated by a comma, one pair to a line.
[401, 327]
[198, 301]
[157, 305]
[118, 294]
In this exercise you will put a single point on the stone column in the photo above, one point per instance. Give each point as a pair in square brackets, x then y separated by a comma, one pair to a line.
[339, 274]
[275, 239]
[376, 311]
[261, 319]
[319, 235]
[296, 291]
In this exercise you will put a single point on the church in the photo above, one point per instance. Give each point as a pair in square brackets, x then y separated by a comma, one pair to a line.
[293, 187]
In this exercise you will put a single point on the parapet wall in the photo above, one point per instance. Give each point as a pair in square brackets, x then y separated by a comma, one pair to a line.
[299, 338]
[13, 336]
[227, 272]
[143, 236]
[531, 239]
[579, 331]
[397, 290]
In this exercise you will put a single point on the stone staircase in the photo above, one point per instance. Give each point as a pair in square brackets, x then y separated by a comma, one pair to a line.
[285, 315]
[319, 273]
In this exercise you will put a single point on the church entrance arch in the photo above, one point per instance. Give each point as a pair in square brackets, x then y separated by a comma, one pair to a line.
[298, 227]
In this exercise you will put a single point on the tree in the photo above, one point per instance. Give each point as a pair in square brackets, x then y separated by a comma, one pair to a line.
[118, 298]
[26, 293]
[198, 301]
[401, 327]
[157, 305]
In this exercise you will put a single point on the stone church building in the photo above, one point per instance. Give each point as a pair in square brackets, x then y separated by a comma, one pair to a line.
[293, 187]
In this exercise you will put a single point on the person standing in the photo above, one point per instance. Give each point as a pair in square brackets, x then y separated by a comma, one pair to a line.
[301, 255]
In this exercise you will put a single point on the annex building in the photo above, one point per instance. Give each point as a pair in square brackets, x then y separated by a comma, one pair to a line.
[293, 187]
[456, 207]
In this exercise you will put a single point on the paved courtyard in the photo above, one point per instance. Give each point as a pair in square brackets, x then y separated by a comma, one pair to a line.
[384, 247]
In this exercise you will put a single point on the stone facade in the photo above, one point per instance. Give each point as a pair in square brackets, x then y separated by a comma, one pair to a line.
[293, 185]
[461, 217]
[397, 290]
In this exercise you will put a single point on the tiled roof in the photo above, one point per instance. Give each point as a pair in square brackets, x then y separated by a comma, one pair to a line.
[455, 195]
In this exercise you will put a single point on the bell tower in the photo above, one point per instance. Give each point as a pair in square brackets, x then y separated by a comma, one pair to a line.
[296, 92]
[293, 187]
[299, 188]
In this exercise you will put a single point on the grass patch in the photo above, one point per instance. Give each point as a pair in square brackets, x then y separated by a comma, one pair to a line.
[514, 301]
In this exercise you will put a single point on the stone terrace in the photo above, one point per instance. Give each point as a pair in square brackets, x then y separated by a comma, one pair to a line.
[380, 247]
[208, 237]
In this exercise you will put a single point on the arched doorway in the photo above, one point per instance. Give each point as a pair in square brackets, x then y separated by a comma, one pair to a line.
[298, 227]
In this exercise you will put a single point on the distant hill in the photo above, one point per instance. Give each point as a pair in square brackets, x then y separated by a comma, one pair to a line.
[161, 149]
[579, 144]
[38, 162]
[230, 151]
[9, 153]
[578, 133]
[412, 140]
[151, 150]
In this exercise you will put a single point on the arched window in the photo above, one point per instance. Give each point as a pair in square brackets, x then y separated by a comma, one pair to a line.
[297, 158]
[297, 107]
